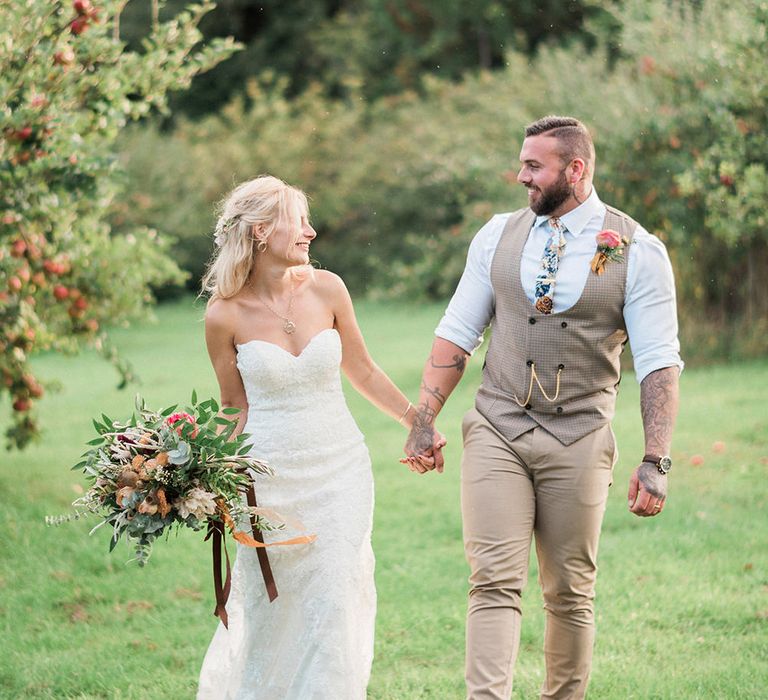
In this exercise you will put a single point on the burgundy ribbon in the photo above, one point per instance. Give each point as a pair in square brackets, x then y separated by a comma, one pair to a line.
[216, 532]
[217, 535]
[266, 569]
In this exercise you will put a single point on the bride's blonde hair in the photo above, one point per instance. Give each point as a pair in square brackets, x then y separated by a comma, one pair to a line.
[265, 201]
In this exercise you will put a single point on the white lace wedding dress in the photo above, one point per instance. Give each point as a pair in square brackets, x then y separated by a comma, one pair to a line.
[315, 641]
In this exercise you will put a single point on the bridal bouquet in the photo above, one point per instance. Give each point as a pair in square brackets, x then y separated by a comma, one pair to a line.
[168, 468]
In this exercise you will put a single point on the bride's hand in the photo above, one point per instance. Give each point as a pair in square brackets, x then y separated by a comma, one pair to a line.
[428, 457]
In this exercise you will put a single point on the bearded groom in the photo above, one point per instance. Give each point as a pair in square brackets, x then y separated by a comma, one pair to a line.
[564, 282]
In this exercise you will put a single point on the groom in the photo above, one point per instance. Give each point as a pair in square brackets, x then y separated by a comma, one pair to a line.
[565, 282]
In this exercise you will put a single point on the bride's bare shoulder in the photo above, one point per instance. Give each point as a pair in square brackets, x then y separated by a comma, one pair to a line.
[222, 314]
[328, 283]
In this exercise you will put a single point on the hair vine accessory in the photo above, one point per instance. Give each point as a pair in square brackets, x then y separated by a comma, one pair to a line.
[223, 226]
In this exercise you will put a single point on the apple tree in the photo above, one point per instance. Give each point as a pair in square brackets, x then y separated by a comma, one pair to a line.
[68, 85]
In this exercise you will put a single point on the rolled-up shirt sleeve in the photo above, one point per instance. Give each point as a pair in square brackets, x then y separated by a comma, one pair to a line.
[650, 307]
[471, 307]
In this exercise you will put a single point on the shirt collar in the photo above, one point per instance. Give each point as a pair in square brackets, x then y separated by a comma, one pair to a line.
[577, 219]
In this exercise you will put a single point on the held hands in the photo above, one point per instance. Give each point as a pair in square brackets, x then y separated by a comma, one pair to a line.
[423, 448]
[647, 491]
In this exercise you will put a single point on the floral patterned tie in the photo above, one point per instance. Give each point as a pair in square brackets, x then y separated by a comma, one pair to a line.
[545, 281]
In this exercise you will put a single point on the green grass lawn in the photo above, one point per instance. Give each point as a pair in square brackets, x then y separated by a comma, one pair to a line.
[682, 600]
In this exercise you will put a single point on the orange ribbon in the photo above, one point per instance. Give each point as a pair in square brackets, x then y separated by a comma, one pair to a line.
[598, 262]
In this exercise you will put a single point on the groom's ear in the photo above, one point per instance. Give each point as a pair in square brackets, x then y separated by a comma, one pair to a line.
[578, 169]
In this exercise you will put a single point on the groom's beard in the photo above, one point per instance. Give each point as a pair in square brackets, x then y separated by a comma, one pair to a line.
[552, 197]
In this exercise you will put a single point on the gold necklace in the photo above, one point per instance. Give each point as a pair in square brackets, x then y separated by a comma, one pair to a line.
[288, 325]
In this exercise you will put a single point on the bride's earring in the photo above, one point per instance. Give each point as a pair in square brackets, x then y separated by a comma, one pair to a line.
[261, 246]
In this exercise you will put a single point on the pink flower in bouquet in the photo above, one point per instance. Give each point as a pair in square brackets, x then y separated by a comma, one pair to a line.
[609, 238]
[176, 417]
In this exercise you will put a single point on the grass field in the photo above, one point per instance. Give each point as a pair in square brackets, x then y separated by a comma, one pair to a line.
[682, 600]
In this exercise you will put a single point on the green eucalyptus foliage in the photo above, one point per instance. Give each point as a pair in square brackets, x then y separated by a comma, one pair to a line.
[68, 87]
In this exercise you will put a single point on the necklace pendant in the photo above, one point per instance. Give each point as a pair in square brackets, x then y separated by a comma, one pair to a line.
[289, 327]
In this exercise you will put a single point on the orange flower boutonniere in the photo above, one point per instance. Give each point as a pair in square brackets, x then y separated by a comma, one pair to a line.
[610, 247]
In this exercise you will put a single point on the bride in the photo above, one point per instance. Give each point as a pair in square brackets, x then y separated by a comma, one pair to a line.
[277, 333]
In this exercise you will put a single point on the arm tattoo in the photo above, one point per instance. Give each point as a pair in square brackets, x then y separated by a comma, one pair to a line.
[658, 406]
[459, 362]
[421, 437]
[434, 392]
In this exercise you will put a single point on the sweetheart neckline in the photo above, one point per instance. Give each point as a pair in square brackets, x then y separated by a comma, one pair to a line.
[280, 347]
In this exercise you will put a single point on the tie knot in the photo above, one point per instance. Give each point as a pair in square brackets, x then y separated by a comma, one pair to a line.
[555, 224]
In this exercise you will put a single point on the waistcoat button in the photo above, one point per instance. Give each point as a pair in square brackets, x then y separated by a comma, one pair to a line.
[564, 324]
[559, 409]
[529, 362]
[561, 366]
[531, 320]
[528, 407]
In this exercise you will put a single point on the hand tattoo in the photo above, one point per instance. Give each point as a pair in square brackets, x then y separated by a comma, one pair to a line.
[422, 435]
[459, 362]
[652, 480]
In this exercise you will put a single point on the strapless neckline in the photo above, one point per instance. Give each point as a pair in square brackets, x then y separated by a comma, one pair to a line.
[281, 348]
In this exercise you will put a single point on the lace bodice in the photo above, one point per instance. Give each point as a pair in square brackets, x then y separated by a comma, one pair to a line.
[279, 385]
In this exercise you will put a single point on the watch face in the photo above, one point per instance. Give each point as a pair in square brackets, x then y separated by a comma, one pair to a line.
[665, 464]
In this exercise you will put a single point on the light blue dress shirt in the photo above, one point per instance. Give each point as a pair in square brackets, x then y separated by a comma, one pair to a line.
[650, 311]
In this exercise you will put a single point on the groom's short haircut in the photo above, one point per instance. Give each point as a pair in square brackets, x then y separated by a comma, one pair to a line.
[574, 138]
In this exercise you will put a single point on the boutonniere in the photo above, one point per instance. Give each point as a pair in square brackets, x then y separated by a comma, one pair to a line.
[610, 247]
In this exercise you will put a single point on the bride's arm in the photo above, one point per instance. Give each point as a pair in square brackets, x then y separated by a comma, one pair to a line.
[219, 339]
[363, 373]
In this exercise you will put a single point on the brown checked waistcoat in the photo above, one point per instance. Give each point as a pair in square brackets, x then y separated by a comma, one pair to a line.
[582, 344]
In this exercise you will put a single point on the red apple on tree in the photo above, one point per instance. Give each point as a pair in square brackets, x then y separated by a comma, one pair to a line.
[22, 404]
[78, 25]
[18, 247]
[84, 8]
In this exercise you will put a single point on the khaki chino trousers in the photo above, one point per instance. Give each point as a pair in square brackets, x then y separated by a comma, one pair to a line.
[511, 492]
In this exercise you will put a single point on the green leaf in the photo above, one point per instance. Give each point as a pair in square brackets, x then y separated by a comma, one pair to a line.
[231, 411]
[194, 397]
[95, 441]
[167, 412]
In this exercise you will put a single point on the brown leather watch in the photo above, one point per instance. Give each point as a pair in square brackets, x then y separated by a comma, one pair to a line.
[663, 464]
